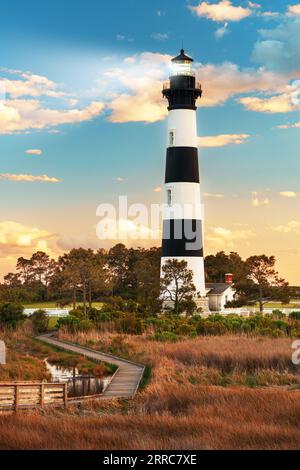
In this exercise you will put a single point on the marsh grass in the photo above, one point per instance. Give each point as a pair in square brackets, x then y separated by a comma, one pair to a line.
[217, 392]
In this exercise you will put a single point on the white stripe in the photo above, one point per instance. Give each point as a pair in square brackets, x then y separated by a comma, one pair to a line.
[182, 122]
[185, 201]
[196, 265]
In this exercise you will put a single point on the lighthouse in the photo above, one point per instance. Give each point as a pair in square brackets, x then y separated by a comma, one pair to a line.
[183, 213]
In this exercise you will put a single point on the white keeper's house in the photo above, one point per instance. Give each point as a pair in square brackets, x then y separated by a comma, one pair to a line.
[219, 293]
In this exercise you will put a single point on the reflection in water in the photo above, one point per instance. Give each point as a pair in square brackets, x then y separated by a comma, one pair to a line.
[78, 385]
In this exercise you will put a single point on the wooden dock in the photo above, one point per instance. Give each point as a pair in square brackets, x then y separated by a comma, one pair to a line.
[15, 396]
[125, 381]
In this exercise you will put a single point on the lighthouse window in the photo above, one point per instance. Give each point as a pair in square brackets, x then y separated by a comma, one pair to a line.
[169, 197]
[171, 138]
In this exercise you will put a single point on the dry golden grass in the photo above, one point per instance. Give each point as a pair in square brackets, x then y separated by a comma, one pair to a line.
[200, 396]
[173, 418]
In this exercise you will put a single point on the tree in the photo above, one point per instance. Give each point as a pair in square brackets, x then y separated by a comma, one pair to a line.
[117, 259]
[216, 266]
[40, 321]
[12, 280]
[262, 273]
[177, 284]
[11, 314]
[24, 267]
[82, 270]
[147, 272]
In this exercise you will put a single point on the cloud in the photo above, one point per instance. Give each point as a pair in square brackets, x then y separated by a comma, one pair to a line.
[289, 126]
[214, 195]
[289, 194]
[17, 239]
[222, 11]
[220, 32]
[292, 226]
[158, 189]
[160, 36]
[222, 140]
[29, 84]
[140, 83]
[22, 115]
[279, 48]
[270, 14]
[134, 86]
[260, 199]
[29, 178]
[294, 9]
[34, 152]
[122, 37]
[226, 238]
[119, 179]
[275, 104]
[223, 81]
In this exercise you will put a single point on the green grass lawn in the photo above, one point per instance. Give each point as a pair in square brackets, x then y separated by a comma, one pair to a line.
[53, 305]
[276, 305]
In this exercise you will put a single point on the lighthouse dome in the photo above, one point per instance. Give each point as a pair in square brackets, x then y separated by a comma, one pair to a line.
[182, 57]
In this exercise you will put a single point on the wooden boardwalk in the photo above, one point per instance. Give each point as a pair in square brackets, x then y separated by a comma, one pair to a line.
[126, 379]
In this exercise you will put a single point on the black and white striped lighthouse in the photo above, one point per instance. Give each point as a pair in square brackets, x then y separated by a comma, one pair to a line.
[183, 215]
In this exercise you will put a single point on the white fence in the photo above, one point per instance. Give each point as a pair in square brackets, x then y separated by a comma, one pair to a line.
[248, 312]
[50, 312]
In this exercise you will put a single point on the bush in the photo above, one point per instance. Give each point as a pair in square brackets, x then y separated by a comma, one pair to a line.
[130, 324]
[98, 316]
[39, 321]
[11, 314]
[166, 336]
[295, 315]
[278, 314]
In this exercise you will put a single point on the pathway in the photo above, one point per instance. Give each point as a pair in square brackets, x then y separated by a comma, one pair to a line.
[126, 379]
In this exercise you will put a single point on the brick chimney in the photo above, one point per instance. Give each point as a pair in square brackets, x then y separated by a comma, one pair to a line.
[229, 278]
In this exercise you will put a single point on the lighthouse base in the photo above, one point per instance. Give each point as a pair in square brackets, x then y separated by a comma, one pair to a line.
[201, 302]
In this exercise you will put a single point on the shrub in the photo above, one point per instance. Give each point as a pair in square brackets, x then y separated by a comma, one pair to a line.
[130, 324]
[77, 313]
[295, 315]
[165, 336]
[11, 314]
[39, 321]
[71, 323]
[278, 314]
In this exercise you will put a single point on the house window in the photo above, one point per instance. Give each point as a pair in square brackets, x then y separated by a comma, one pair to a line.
[171, 138]
[169, 197]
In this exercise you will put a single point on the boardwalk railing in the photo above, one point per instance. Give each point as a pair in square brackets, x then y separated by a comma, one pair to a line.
[23, 395]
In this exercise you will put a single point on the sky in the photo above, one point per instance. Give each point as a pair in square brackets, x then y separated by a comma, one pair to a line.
[83, 121]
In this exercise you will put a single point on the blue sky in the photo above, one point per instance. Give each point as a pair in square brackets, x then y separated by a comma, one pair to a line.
[82, 83]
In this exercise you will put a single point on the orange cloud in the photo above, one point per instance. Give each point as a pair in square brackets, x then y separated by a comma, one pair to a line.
[29, 178]
[221, 237]
[34, 152]
[288, 194]
[222, 11]
[20, 115]
[294, 9]
[222, 140]
[18, 239]
[275, 104]
[29, 84]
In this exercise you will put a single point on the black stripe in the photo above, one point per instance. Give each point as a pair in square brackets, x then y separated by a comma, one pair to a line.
[182, 165]
[182, 238]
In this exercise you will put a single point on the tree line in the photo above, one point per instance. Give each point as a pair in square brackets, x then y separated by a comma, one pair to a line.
[84, 275]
